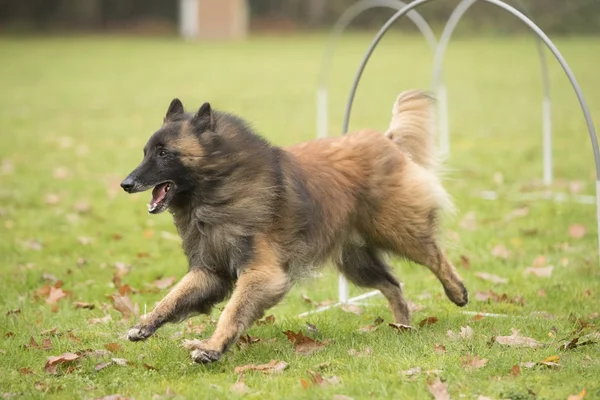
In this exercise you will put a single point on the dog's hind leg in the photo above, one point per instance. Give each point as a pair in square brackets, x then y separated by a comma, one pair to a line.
[197, 292]
[260, 286]
[364, 267]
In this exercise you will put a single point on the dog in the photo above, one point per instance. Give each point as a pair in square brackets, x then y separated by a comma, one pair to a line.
[254, 218]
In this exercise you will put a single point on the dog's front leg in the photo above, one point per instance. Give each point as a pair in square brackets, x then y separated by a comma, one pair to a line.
[259, 287]
[197, 292]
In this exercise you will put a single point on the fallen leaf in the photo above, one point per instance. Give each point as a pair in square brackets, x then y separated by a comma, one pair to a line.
[113, 347]
[428, 321]
[465, 333]
[107, 318]
[56, 293]
[50, 332]
[120, 361]
[46, 344]
[465, 262]
[412, 372]
[268, 320]
[271, 367]
[364, 352]
[26, 371]
[491, 277]
[542, 293]
[318, 380]
[124, 305]
[515, 371]
[81, 304]
[517, 213]
[499, 298]
[578, 396]
[544, 272]
[164, 282]
[101, 366]
[470, 363]
[352, 308]
[438, 389]
[478, 317]
[500, 251]
[52, 199]
[306, 298]
[577, 231]
[439, 348]
[246, 340]
[61, 173]
[52, 362]
[341, 397]
[113, 397]
[303, 344]
[518, 341]
[239, 387]
[149, 367]
[401, 328]
[469, 221]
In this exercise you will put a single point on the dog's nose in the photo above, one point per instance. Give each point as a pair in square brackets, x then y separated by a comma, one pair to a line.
[127, 185]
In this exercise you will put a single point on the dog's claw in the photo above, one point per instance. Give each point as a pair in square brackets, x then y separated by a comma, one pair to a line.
[138, 333]
[205, 356]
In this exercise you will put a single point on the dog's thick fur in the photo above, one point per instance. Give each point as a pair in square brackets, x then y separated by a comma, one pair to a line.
[254, 217]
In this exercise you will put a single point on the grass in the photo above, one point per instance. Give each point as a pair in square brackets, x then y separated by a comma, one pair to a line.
[76, 112]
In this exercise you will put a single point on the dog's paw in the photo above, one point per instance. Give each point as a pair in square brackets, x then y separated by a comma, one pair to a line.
[458, 294]
[139, 332]
[203, 356]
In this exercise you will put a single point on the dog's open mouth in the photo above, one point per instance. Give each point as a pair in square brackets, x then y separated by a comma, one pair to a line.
[161, 197]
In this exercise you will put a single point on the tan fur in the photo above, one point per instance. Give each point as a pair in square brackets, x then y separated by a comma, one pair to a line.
[276, 214]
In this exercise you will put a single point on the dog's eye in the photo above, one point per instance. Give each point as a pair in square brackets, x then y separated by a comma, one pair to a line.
[162, 153]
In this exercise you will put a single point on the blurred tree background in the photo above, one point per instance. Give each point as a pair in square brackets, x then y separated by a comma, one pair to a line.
[160, 16]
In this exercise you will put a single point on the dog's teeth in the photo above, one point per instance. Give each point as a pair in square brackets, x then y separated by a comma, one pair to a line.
[151, 207]
[167, 188]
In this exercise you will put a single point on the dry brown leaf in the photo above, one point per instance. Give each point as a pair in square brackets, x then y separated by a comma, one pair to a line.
[317, 379]
[341, 397]
[101, 366]
[401, 328]
[306, 298]
[271, 367]
[120, 361]
[26, 371]
[469, 221]
[465, 333]
[52, 362]
[428, 321]
[247, 340]
[239, 387]
[50, 332]
[113, 397]
[104, 320]
[499, 298]
[32, 344]
[491, 277]
[268, 320]
[515, 371]
[578, 396]
[500, 251]
[517, 340]
[470, 363]
[439, 348]
[352, 308]
[113, 347]
[364, 352]
[46, 344]
[124, 305]
[164, 282]
[542, 272]
[438, 389]
[81, 304]
[411, 372]
[303, 344]
[577, 231]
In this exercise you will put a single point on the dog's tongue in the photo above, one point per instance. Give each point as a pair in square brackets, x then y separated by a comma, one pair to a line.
[158, 193]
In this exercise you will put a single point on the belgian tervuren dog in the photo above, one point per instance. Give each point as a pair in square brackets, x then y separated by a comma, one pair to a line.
[254, 217]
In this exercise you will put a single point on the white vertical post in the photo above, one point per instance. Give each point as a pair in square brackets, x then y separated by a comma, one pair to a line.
[547, 141]
[188, 18]
[343, 290]
[322, 112]
[444, 131]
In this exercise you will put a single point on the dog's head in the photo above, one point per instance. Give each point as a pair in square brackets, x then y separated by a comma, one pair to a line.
[172, 156]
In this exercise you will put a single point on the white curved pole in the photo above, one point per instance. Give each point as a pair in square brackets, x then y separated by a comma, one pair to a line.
[338, 28]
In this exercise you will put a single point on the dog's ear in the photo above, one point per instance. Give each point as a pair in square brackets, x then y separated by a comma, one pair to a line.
[204, 119]
[175, 109]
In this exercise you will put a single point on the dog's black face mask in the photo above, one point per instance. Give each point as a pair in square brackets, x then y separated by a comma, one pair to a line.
[166, 155]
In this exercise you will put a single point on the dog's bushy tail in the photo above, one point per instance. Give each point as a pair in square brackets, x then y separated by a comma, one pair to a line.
[413, 127]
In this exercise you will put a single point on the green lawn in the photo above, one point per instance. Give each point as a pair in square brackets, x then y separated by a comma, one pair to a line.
[75, 114]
